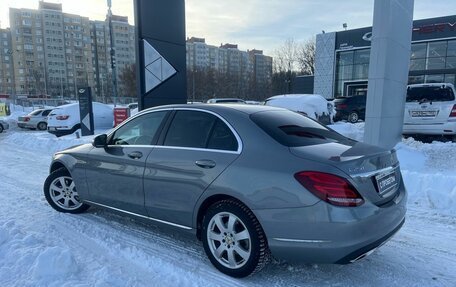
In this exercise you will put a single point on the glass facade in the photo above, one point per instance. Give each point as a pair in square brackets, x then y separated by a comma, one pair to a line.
[430, 62]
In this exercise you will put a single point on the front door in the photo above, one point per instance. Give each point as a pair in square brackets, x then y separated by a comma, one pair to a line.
[115, 173]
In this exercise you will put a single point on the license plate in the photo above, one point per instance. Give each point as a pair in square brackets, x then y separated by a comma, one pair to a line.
[423, 114]
[386, 182]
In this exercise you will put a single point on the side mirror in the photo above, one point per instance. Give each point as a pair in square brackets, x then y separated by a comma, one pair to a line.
[100, 141]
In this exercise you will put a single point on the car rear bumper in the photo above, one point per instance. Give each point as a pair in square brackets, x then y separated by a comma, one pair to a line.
[323, 233]
[448, 128]
[57, 131]
[26, 125]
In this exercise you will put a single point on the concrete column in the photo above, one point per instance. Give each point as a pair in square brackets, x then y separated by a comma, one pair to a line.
[388, 71]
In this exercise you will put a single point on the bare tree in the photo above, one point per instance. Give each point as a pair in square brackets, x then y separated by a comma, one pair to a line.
[305, 57]
[285, 57]
[128, 79]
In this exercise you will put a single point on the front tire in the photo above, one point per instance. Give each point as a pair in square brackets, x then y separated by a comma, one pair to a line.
[233, 239]
[60, 192]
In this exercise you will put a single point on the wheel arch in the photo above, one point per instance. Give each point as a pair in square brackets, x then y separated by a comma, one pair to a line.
[57, 165]
[206, 204]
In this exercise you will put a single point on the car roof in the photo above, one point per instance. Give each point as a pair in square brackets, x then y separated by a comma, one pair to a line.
[247, 109]
[295, 96]
[431, 85]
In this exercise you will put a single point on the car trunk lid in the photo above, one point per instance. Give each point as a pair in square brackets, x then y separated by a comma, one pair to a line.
[374, 171]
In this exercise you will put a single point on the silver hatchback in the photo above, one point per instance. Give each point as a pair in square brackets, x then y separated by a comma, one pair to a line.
[248, 181]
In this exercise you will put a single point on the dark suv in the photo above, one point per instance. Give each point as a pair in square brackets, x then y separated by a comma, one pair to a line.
[350, 109]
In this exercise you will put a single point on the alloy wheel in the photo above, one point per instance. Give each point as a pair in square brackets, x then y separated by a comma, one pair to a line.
[229, 240]
[63, 193]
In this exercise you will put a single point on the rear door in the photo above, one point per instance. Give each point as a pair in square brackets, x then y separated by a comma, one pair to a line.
[196, 148]
[115, 173]
[429, 104]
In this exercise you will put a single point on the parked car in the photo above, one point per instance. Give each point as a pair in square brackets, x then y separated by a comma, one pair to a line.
[3, 126]
[313, 106]
[34, 120]
[65, 119]
[430, 109]
[246, 180]
[351, 109]
[226, 101]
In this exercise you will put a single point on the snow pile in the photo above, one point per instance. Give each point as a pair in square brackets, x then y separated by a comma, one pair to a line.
[45, 142]
[54, 261]
[16, 112]
[311, 105]
[353, 131]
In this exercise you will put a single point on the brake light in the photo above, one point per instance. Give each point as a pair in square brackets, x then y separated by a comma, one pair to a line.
[330, 188]
[341, 106]
[62, 118]
[26, 119]
[453, 112]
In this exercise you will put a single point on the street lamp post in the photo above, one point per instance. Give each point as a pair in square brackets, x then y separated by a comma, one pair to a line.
[113, 54]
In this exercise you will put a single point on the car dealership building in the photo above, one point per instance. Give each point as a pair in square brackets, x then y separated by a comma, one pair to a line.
[342, 58]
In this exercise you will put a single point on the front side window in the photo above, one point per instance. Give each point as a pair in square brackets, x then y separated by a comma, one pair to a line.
[195, 129]
[139, 131]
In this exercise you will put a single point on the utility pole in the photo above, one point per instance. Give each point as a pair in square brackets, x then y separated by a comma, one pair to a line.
[113, 55]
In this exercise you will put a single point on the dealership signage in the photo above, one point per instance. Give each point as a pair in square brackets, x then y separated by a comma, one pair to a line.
[427, 29]
[120, 115]
[86, 111]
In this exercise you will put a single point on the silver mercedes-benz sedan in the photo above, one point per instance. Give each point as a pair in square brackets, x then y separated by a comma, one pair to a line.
[249, 181]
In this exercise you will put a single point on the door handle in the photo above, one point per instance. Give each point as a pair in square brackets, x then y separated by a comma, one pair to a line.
[135, 155]
[205, 163]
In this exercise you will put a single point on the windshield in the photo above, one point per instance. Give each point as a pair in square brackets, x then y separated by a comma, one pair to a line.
[430, 94]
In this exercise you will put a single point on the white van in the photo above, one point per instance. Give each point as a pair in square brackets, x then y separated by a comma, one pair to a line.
[64, 120]
[430, 109]
[311, 105]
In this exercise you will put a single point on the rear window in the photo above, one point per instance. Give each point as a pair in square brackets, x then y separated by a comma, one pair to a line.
[293, 129]
[35, 113]
[430, 94]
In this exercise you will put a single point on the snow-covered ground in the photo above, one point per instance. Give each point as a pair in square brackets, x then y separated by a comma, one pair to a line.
[41, 247]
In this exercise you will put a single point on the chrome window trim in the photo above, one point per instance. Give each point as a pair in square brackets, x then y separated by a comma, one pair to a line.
[139, 215]
[236, 135]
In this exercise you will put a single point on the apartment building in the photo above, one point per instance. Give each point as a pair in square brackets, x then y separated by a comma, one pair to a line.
[245, 72]
[55, 53]
[6, 63]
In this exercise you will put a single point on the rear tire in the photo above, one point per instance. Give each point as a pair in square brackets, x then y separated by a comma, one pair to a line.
[60, 192]
[353, 117]
[42, 126]
[233, 239]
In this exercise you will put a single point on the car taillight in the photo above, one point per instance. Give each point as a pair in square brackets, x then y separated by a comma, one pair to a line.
[453, 112]
[341, 106]
[330, 188]
[26, 119]
[62, 118]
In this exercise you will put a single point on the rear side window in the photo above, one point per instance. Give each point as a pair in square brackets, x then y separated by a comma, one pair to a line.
[430, 94]
[293, 130]
[35, 113]
[196, 129]
[46, 113]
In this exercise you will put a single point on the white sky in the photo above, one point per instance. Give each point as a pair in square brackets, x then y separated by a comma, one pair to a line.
[260, 24]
